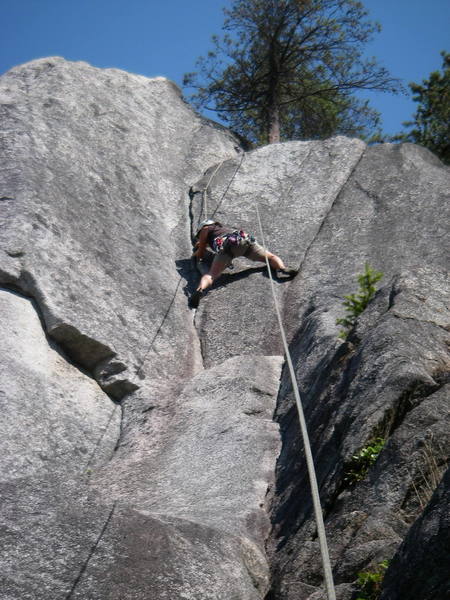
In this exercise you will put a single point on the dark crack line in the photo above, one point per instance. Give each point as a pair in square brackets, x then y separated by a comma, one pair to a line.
[405, 318]
[100, 439]
[197, 328]
[120, 436]
[202, 346]
[158, 331]
[325, 218]
[91, 553]
[368, 193]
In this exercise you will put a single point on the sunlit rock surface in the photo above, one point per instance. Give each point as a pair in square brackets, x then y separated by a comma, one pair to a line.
[141, 454]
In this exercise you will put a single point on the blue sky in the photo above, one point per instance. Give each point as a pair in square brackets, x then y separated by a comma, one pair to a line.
[164, 37]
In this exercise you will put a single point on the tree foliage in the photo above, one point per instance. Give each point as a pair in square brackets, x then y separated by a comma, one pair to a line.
[361, 462]
[356, 303]
[370, 582]
[286, 69]
[431, 124]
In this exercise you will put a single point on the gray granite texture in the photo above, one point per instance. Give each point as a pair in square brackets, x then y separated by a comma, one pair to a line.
[57, 427]
[328, 208]
[140, 453]
[424, 555]
[96, 164]
[115, 440]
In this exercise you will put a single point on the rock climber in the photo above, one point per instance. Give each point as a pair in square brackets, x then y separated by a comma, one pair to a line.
[228, 244]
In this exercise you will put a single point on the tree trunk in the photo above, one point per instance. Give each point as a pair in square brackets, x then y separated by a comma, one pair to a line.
[274, 124]
[273, 108]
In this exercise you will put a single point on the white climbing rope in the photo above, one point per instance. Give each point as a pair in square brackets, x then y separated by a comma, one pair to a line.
[205, 190]
[309, 458]
[328, 574]
[219, 204]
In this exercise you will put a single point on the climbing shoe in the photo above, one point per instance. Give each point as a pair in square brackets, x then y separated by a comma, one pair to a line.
[194, 300]
[286, 273]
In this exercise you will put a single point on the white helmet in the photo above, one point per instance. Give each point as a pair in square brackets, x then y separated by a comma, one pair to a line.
[203, 224]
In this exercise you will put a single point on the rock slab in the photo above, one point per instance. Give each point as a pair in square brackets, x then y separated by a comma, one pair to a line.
[329, 207]
[165, 495]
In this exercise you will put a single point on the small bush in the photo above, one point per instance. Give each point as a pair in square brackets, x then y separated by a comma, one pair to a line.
[363, 460]
[369, 582]
[356, 303]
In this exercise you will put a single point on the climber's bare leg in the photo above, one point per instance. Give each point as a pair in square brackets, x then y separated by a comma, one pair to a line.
[215, 271]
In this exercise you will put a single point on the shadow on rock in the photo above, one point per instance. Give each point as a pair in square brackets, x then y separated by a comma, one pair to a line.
[188, 271]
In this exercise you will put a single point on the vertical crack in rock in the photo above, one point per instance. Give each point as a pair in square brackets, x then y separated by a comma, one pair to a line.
[195, 273]
[158, 330]
[200, 342]
[258, 574]
[90, 237]
[92, 552]
[329, 211]
[102, 436]
[87, 242]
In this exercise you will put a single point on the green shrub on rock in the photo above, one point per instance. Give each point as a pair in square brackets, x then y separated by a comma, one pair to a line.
[356, 303]
[369, 582]
[362, 461]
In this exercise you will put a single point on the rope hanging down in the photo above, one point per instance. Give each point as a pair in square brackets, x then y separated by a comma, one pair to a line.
[229, 184]
[205, 204]
[309, 458]
[204, 211]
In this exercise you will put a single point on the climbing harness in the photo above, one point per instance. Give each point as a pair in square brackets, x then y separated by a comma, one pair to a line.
[236, 238]
[227, 241]
[309, 458]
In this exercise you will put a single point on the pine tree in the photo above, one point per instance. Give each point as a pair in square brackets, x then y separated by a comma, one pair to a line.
[286, 69]
[431, 124]
[356, 303]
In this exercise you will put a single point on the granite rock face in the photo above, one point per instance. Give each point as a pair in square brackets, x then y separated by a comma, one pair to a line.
[388, 206]
[424, 555]
[141, 456]
[292, 207]
[96, 166]
[57, 427]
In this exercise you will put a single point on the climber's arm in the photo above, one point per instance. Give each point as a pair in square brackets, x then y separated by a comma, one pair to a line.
[201, 244]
